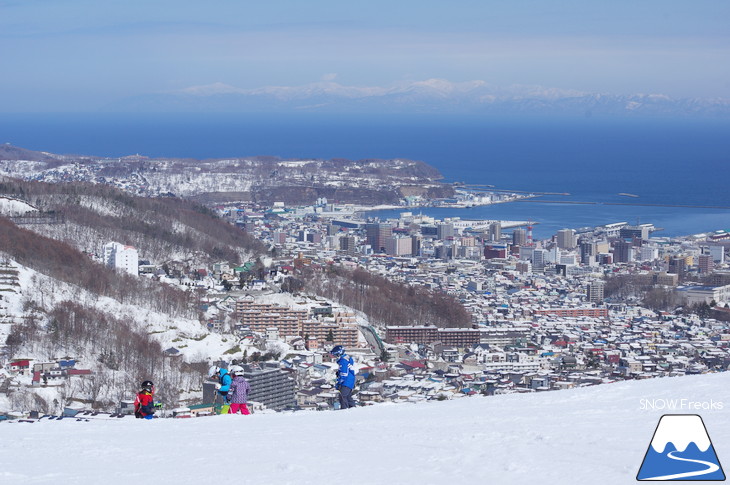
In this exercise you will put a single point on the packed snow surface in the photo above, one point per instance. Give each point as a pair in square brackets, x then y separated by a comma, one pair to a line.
[594, 435]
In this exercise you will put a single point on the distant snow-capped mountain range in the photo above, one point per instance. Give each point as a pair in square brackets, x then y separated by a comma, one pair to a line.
[432, 95]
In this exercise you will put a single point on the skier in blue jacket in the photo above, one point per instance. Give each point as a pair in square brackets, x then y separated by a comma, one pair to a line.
[223, 378]
[345, 376]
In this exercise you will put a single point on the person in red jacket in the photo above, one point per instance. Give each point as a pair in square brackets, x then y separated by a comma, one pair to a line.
[144, 405]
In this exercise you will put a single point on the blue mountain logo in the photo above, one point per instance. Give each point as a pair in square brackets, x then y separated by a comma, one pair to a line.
[681, 450]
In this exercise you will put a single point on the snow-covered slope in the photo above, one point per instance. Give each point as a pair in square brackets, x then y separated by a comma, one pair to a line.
[595, 435]
[197, 342]
[13, 207]
[30, 293]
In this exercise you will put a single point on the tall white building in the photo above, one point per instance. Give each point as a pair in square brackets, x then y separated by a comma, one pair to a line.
[595, 291]
[398, 246]
[495, 231]
[526, 253]
[718, 253]
[649, 253]
[519, 236]
[444, 231]
[539, 257]
[566, 239]
[121, 257]
[553, 256]
[568, 259]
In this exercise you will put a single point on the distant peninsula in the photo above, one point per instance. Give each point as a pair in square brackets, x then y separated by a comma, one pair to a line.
[258, 179]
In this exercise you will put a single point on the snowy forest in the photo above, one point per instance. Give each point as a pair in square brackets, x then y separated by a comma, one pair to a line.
[119, 325]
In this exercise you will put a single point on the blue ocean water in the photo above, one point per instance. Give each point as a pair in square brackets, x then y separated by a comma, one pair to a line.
[674, 162]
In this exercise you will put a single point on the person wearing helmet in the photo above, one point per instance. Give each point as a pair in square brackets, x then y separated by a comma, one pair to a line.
[224, 381]
[345, 376]
[144, 405]
[238, 394]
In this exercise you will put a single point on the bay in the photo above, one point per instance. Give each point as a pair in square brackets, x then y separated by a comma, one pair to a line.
[662, 162]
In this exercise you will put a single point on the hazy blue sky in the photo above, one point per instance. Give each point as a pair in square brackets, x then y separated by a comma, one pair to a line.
[82, 54]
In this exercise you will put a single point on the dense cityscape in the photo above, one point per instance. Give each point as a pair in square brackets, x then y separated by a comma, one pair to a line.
[540, 316]
[378, 243]
[585, 307]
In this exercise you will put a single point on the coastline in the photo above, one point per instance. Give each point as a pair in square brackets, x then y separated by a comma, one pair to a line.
[635, 204]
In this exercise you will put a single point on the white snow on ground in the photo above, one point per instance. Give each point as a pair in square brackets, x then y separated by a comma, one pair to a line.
[595, 435]
[188, 335]
[14, 207]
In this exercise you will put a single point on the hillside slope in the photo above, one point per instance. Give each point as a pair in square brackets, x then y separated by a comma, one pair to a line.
[259, 179]
[595, 435]
[162, 229]
[58, 299]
